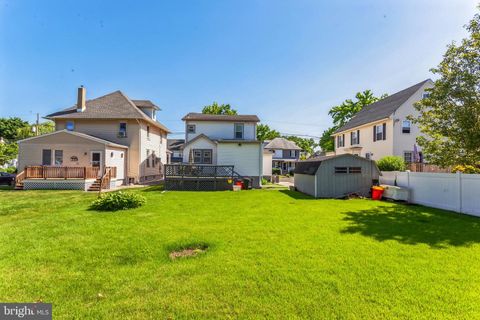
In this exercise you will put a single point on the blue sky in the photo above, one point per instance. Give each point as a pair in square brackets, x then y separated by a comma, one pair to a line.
[286, 61]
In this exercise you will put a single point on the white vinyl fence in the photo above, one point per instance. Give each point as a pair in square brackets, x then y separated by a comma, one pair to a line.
[451, 191]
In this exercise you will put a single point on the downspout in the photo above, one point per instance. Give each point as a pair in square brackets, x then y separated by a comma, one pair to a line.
[139, 146]
[261, 165]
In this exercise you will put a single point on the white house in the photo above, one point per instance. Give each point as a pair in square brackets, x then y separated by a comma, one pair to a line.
[224, 140]
[285, 154]
[382, 128]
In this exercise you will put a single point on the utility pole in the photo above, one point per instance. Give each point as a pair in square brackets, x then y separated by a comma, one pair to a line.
[38, 124]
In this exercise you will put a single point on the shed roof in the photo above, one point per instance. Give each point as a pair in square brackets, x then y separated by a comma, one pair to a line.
[382, 108]
[311, 166]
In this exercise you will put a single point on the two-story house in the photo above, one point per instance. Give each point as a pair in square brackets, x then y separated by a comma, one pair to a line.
[285, 154]
[224, 140]
[383, 128]
[109, 131]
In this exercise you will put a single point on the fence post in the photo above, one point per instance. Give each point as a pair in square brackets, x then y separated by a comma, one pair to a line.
[459, 188]
[410, 191]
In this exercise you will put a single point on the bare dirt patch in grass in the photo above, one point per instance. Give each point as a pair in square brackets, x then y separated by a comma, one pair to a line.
[191, 251]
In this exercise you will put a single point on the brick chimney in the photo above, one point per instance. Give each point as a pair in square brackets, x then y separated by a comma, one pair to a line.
[82, 93]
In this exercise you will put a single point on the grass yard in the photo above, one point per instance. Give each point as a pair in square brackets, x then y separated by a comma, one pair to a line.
[272, 254]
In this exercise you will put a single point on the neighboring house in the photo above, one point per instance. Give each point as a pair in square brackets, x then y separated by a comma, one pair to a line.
[224, 140]
[175, 146]
[110, 131]
[382, 128]
[285, 154]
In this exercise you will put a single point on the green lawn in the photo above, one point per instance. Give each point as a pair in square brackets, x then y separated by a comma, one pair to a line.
[272, 254]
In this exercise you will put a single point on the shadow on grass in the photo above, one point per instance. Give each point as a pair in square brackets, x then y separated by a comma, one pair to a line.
[415, 225]
[297, 195]
[156, 188]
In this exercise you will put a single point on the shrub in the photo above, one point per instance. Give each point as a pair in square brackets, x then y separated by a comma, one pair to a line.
[265, 181]
[114, 201]
[391, 163]
[276, 171]
[466, 169]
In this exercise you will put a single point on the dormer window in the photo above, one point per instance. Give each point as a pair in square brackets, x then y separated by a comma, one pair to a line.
[239, 130]
[70, 125]
[122, 130]
[154, 114]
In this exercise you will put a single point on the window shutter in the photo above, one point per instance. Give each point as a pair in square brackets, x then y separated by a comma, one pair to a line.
[374, 133]
[384, 131]
[343, 141]
[358, 136]
[351, 138]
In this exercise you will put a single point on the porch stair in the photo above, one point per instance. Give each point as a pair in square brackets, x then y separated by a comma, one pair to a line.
[18, 186]
[96, 185]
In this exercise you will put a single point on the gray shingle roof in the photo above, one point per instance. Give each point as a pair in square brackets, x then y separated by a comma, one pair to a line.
[175, 144]
[115, 105]
[381, 109]
[282, 144]
[220, 117]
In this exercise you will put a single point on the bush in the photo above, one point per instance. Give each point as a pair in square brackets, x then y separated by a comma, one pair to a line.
[265, 181]
[466, 169]
[276, 171]
[114, 201]
[391, 163]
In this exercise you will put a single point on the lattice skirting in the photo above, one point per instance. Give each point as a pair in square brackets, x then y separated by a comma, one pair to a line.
[197, 185]
[56, 184]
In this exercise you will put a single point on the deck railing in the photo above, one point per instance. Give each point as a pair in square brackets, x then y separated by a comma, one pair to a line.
[51, 172]
[195, 171]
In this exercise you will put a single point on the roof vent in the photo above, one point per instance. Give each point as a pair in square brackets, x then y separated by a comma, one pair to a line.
[81, 105]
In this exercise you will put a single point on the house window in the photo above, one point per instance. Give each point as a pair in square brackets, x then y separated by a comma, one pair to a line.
[46, 157]
[341, 141]
[293, 153]
[355, 137]
[355, 170]
[58, 157]
[425, 95]
[379, 132]
[341, 170]
[154, 159]
[148, 132]
[408, 156]
[368, 155]
[154, 114]
[122, 130]
[406, 126]
[148, 159]
[70, 126]
[239, 130]
[191, 128]
[202, 156]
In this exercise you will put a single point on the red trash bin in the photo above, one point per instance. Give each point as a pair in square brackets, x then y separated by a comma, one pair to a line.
[377, 193]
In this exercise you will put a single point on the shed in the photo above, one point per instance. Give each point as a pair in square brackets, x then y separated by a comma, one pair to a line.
[336, 176]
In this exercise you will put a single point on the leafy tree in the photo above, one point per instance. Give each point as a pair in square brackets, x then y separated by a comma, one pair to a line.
[215, 108]
[307, 144]
[8, 152]
[265, 133]
[450, 116]
[10, 126]
[342, 113]
[29, 130]
[326, 141]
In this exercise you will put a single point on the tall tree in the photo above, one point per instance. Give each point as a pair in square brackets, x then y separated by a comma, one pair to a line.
[342, 113]
[216, 108]
[450, 116]
[30, 130]
[307, 144]
[265, 133]
[8, 152]
[10, 126]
